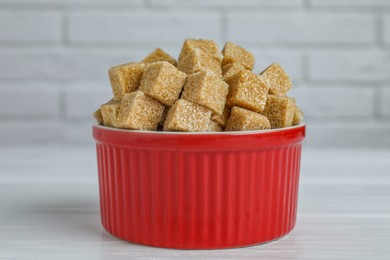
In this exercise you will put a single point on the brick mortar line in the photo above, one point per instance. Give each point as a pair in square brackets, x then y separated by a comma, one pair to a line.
[216, 8]
[230, 10]
[305, 10]
[318, 45]
[27, 45]
[351, 9]
[313, 87]
[347, 120]
[29, 119]
[77, 45]
[198, 9]
[120, 47]
[348, 83]
[280, 10]
[143, 11]
[147, 10]
[23, 119]
[66, 7]
[50, 80]
[60, 83]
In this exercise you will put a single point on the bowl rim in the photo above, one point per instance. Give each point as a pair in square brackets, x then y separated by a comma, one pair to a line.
[246, 132]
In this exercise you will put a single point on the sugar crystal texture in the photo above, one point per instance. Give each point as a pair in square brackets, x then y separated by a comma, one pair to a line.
[208, 46]
[206, 89]
[280, 111]
[125, 78]
[233, 53]
[163, 82]
[298, 116]
[159, 55]
[247, 90]
[214, 127]
[243, 119]
[197, 60]
[276, 79]
[139, 111]
[185, 116]
[98, 116]
[221, 119]
[109, 112]
[231, 69]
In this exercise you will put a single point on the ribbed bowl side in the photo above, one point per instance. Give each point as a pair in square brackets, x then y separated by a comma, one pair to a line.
[198, 200]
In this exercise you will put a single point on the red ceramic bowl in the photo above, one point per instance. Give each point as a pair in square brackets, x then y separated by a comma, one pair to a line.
[198, 190]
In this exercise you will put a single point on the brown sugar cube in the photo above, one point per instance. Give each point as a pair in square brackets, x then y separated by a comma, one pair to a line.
[214, 127]
[276, 79]
[197, 60]
[98, 116]
[279, 110]
[162, 81]
[221, 119]
[125, 78]
[206, 89]
[233, 53]
[243, 119]
[139, 111]
[298, 116]
[229, 70]
[208, 46]
[109, 112]
[185, 116]
[159, 55]
[247, 90]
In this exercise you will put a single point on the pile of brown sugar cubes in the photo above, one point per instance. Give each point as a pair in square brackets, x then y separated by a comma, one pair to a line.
[206, 90]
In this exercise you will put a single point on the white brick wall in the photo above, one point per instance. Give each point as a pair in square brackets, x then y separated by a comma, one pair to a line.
[135, 27]
[54, 56]
[30, 27]
[290, 60]
[37, 99]
[346, 65]
[68, 64]
[303, 28]
[336, 102]
[83, 98]
[72, 3]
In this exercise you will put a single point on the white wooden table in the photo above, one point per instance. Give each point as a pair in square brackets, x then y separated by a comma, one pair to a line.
[49, 209]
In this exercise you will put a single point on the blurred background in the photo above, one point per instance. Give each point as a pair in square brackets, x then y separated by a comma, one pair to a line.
[54, 56]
